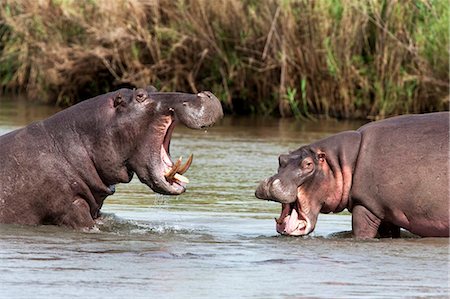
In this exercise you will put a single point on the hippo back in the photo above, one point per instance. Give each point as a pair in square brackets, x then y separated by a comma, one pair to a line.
[404, 160]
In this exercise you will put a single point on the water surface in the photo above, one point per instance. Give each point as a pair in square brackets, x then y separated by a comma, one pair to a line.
[216, 240]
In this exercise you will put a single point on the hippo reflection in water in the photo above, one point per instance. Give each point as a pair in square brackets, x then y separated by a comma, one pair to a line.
[389, 174]
[60, 170]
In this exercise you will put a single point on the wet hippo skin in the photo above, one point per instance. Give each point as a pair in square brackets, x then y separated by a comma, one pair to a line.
[389, 174]
[60, 170]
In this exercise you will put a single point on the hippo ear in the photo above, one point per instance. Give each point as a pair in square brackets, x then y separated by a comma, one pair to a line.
[118, 100]
[140, 95]
[321, 157]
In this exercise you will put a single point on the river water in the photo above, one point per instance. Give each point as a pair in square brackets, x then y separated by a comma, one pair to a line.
[216, 240]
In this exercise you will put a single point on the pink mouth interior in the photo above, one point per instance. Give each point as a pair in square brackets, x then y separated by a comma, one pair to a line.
[293, 221]
[165, 153]
[167, 162]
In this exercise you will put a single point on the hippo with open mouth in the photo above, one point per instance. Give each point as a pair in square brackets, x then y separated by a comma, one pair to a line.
[389, 174]
[60, 170]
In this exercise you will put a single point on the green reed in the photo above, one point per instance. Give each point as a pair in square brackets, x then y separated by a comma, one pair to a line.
[302, 58]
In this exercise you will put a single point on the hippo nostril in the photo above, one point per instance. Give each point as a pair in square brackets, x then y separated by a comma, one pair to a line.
[207, 94]
[276, 183]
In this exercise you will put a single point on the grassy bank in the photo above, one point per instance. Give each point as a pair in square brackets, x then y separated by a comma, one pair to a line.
[340, 58]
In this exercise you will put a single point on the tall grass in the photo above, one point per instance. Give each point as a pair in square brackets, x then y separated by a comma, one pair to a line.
[341, 58]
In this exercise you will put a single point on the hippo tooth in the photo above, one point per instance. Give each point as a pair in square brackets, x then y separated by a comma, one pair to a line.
[174, 169]
[277, 220]
[181, 178]
[169, 174]
[186, 166]
[301, 224]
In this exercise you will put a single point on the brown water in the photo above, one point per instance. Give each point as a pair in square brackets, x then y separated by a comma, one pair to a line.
[216, 240]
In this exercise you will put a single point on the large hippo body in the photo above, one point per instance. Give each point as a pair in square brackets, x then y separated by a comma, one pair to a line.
[60, 170]
[389, 174]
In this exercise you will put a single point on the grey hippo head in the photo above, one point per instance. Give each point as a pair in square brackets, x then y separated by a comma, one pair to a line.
[301, 187]
[140, 126]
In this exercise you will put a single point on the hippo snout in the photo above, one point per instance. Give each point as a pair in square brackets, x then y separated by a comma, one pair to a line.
[213, 108]
[201, 111]
[273, 189]
[262, 192]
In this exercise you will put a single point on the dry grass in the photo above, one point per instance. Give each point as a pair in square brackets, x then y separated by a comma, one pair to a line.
[340, 58]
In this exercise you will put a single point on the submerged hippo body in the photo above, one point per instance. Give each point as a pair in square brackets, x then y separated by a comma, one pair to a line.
[60, 170]
[389, 174]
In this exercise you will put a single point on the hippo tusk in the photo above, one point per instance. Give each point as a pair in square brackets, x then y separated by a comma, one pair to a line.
[181, 178]
[177, 170]
[186, 166]
[174, 169]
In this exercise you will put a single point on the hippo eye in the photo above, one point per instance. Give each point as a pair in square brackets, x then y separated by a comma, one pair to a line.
[307, 164]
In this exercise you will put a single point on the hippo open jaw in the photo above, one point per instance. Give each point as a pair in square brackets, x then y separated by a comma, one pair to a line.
[293, 220]
[173, 172]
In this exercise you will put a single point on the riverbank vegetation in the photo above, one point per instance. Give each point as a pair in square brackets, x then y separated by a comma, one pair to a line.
[339, 58]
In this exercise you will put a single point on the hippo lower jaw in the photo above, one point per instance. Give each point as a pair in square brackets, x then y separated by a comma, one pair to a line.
[170, 171]
[173, 172]
[157, 170]
[293, 220]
